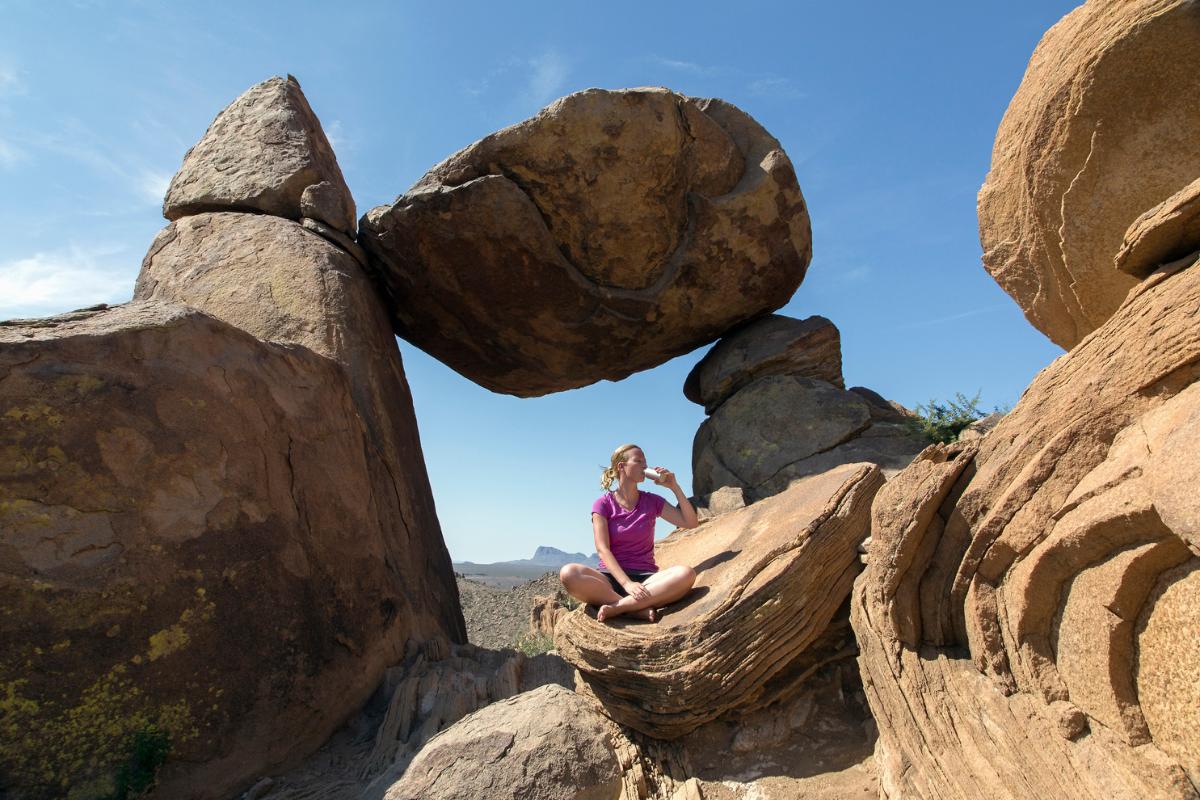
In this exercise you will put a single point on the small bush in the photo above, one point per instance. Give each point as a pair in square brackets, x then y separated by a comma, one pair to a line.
[566, 601]
[943, 423]
[137, 775]
[533, 644]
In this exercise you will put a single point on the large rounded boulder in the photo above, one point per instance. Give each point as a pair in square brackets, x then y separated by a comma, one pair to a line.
[608, 234]
[1103, 129]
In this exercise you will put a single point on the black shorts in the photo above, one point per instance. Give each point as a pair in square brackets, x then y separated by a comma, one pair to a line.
[634, 575]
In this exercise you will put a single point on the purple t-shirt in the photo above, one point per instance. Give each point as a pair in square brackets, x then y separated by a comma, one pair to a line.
[631, 533]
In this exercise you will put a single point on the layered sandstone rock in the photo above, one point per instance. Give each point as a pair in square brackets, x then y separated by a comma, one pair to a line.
[1031, 588]
[548, 744]
[199, 532]
[265, 153]
[780, 429]
[1103, 128]
[773, 345]
[770, 578]
[608, 234]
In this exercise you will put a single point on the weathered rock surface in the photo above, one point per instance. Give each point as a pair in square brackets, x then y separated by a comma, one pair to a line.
[1030, 587]
[770, 578]
[1103, 128]
[773, 345]
[780, 429]
[606, 235]
[980, 427]
[267, 153]
[545, 745]
[722, 501]
[198, 533]
[1165, 233]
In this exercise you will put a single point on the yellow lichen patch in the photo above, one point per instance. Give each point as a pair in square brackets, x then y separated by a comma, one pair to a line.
[24, 512]
[167, 641]
[34, 413]
[82, 385]
[79, 745]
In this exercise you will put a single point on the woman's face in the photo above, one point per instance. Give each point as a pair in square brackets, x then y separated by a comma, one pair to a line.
[634, 464]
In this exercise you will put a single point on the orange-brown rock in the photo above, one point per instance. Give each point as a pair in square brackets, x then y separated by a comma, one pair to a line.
[1165, 233]
[770, 578]
[606, 235]
[1103, 128]
[199, 531]
[1023, 617]
[773, 345]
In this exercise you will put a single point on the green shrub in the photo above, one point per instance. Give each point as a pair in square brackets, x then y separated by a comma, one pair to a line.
[943, 423]
[137, 774]
[533, 644]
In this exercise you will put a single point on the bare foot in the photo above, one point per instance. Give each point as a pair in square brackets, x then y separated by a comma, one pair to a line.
[606, 611]
[648, 614]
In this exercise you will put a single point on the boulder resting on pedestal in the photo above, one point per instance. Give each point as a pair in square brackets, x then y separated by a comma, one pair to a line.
[613, 231]
[770, 578]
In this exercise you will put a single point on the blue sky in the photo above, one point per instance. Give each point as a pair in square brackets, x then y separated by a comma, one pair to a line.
[888, 111]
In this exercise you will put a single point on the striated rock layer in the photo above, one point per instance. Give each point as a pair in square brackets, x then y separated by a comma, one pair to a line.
[1027, 617]
[198, 532]
[1103, 128]
[770, 578]
[606, 235]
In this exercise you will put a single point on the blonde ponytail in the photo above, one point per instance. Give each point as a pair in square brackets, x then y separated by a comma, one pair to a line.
[618, 457]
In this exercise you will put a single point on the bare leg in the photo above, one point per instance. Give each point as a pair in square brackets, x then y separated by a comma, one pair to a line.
[665, 588]
[589, 586]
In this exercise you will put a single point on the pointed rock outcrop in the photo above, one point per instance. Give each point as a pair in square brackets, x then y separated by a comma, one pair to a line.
[770, 579]
[1103, 127]
[267, 153]
[608, 234]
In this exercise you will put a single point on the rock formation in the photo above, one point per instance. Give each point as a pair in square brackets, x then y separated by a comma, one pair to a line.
[779, 412]
[1103, 127]
[770, 578]
[216, 522]
[773, 345]
[1165, 233]
[606, 235]
[1027, 617]
[545, 745]
[265, 153]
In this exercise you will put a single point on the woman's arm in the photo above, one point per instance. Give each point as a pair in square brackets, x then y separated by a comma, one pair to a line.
[600, 534]
[682, 515]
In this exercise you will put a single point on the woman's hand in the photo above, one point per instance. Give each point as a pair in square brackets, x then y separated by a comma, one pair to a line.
[637, 591]
[666, 478]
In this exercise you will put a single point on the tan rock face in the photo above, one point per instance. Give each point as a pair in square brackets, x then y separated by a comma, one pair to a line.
[1030, 586]
[266, 152]
[196, 535]
[1165, 233]
[547, 744]
[770, 578]
[773, 345]
[1102, 129]
[606, 235]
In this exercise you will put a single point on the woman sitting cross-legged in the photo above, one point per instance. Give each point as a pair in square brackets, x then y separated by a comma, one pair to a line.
[628, 581]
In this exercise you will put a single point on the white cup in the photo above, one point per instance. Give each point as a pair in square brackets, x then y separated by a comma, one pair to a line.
[652, 474]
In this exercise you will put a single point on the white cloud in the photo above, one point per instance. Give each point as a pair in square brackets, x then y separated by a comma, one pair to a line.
[11, 84]
[549, 75]
[152, 186]
[9, 155]
[333, 132]
[688, 66]
[52, 283]
[925, 323]
[775, 88]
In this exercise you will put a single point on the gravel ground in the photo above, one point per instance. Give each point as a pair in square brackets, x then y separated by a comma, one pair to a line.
[495, 618]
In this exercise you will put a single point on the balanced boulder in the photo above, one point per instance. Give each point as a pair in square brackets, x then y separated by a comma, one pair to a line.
[1102, 129]
[1165, 233]
[773, 345]
[265, 153]
[1027, 617]
[606, 235]
[770, 579]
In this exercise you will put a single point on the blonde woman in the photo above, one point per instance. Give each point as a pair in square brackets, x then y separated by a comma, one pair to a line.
[628, 581]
